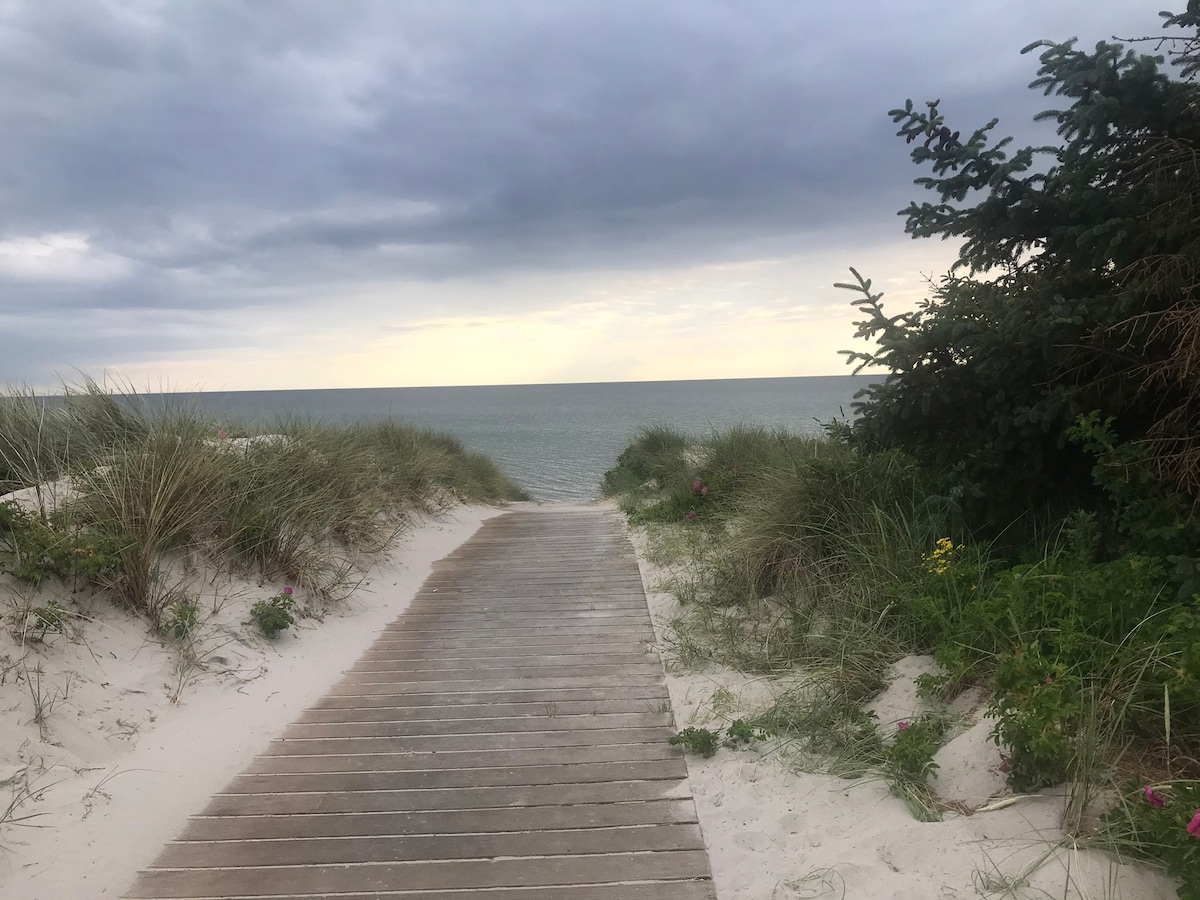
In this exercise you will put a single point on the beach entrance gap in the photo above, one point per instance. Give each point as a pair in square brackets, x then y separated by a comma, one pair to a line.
[508, 734]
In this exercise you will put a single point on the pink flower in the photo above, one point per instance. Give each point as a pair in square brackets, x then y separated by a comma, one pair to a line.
[703, 490]
[287, 592]
[1153, 797]
[1194, 825]
[690, 516]
[222, 435]
[696, 486]
[1049, 679]
[903, 726]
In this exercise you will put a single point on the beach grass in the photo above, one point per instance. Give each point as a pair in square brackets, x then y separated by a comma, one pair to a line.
[156, 483]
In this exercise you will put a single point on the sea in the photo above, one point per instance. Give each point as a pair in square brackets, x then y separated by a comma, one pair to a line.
[557, 440]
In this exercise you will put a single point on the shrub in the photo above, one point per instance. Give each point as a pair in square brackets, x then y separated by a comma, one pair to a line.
[701, 741]
[274, 614]
[656, 455]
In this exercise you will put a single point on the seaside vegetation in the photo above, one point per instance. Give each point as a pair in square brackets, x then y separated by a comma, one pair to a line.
[1015, 496]
[123, 487]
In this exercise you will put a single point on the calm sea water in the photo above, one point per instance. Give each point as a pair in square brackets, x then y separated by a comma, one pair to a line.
[557, 440]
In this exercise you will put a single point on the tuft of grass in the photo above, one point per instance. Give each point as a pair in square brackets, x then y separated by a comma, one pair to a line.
[654, 457]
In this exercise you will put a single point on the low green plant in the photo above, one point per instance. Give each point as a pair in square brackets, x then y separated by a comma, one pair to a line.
[274, 614]
[1037, 706]
[910, 757]
[705, 742]
[181, 618]
[908, 763]
[701, 741]
[33, 548]
[741, 733]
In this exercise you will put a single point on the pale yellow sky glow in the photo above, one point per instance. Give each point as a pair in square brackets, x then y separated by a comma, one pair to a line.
[760, 318]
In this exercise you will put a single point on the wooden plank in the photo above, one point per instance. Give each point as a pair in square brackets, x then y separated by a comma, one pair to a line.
[409, 661]
[583, 632]
[500, 654]
[425, 779]
[657, 890]
[477, 821]
[444, 743]
[491, 674]
[535, 705]
[308, 881]
[488, 725]
[477, 683]
[226, 854]
[471, 798]
[405, 760]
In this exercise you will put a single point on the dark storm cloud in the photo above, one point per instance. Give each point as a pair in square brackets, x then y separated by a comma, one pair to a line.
[223, 147]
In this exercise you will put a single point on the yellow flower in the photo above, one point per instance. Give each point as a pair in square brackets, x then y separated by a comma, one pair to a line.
[938, 562]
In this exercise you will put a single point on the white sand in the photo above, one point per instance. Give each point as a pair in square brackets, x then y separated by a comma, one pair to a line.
[134, 742]
[775, 833]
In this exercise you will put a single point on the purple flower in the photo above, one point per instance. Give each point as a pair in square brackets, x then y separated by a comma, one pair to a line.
[903, 726]
[696, 486]
[1194, 825]
[287, 592]
[690, 516]
[1153, 797]
[703, 491]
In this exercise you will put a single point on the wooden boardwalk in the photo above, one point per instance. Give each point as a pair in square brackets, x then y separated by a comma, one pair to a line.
[506, 737]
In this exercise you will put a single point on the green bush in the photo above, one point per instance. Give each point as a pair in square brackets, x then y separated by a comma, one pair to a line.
[701, 741]
[908, 763]
[656, 455]
[274, 614]
[31, 549]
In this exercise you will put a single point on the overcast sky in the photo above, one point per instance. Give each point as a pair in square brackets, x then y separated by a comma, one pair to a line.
[242, 195]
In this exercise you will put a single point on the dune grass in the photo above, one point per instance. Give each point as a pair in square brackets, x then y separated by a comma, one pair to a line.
[152, 482]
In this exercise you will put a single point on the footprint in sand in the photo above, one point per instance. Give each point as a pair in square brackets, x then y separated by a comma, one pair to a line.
[791, 823]
[756, 841]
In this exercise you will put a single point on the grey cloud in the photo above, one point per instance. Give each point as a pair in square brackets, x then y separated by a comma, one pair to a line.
[231, 150]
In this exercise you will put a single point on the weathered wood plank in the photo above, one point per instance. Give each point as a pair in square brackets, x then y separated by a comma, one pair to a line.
[530, 704]
[496, 685]
[450, 875]
[447, 799]
[657, 890]
[408, 661]
[404, 760]
[444, 743]
[424, 779]
[488, 725]
[478, 821]
[492, 674]
[225, 854]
